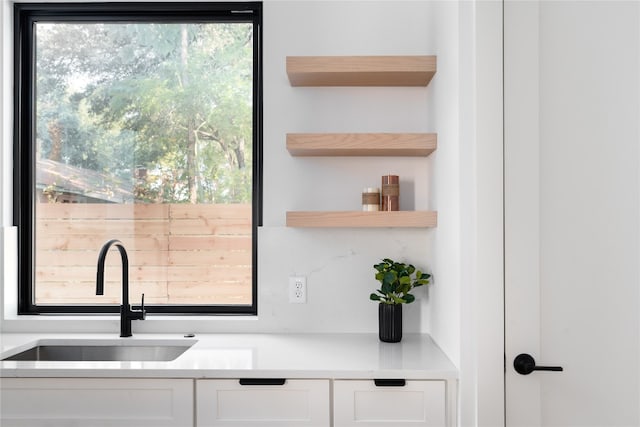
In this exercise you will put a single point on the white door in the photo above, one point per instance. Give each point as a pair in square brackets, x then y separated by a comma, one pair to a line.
[572, 211]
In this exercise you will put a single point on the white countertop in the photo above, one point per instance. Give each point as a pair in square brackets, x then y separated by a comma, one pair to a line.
[249, 356]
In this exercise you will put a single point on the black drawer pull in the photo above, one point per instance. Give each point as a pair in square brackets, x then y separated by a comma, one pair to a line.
[390, 382]
[262, 381]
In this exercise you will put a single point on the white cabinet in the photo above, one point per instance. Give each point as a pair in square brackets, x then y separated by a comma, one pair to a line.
[96, 402]
[103, 402]
[362, 403]
[227, 403]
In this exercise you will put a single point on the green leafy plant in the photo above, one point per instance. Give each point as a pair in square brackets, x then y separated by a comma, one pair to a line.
[397, 280]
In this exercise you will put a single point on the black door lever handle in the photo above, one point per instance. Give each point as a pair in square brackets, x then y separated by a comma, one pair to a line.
[524, 364]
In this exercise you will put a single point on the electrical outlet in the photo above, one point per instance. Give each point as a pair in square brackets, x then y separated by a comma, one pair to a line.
[298, 289]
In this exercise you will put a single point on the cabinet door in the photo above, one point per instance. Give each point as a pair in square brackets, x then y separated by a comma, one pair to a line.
[227, 403]
[96, 402]
[362, 404]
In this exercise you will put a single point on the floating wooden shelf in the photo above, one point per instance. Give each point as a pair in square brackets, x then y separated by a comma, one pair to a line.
[361, 70]
[361, 144]
[359, 219]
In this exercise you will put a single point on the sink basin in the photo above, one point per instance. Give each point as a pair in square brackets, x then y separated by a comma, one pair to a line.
[94, 350]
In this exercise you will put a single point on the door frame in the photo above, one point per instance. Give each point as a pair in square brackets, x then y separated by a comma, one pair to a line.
[482, 366]
[522, 200]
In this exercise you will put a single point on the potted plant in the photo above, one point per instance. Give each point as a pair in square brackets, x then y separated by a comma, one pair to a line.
[397, 280]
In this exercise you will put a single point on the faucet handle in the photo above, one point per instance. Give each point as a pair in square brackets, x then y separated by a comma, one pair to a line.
[144, 313]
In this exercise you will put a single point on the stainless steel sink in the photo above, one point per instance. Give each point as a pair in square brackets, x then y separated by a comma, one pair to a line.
[103, 352]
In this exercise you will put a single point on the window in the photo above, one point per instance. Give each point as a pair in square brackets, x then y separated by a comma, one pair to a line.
[140, 122]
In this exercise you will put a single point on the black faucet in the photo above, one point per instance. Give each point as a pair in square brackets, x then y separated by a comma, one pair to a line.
[126, 313]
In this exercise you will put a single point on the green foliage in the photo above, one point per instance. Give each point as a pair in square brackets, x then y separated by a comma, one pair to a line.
[397, 280]
[175, 99]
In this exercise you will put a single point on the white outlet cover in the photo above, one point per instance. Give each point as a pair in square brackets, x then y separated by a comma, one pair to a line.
[297, 289]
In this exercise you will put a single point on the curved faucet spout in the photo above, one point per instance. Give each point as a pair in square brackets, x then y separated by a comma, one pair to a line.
[126, 313]
[125, 267]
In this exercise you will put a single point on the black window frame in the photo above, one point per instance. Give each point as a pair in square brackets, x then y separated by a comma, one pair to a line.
[25, 16]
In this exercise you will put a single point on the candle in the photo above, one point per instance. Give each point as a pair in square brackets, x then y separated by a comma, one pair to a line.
[390, 193]
[371, 199]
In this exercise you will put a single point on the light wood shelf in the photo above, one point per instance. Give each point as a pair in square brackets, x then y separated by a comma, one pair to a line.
[361, 70]
[360, 219]
[362, 144]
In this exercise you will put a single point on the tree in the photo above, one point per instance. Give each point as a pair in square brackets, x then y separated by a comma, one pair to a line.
[175, 99]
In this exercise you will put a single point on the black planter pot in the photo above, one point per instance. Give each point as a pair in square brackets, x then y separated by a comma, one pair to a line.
[390, 322]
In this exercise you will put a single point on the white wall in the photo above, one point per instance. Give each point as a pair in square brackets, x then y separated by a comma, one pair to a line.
[338, 262]
[445, 109]
[5, 138]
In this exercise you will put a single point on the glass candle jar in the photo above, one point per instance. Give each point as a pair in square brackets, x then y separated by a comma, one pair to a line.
[371, 199]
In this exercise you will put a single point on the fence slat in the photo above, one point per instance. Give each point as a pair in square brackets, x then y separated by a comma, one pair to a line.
[102, 210]
[186, 211]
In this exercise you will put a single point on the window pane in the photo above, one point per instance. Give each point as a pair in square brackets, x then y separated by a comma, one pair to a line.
[144, 134]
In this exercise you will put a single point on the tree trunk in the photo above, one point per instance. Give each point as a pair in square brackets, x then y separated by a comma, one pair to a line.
[239, 151]
[192, 171]
[191, 164]
[55, 133]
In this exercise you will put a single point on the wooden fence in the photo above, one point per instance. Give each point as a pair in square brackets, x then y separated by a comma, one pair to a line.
[178, 253]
